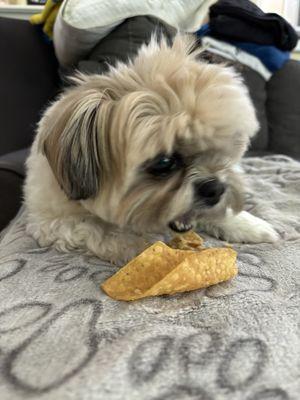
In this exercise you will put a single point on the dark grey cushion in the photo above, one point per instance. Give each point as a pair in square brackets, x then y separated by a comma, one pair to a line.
[12, 172]
[257, 89]
[123, 43]
[28, 80]
[283, 110]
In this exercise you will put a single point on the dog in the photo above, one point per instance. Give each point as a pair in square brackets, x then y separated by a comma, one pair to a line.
[121, 158]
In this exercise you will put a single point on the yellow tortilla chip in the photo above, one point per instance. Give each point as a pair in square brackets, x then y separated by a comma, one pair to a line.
[163, 270]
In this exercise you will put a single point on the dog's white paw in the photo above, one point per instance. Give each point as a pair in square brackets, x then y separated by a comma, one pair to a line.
[245, 227]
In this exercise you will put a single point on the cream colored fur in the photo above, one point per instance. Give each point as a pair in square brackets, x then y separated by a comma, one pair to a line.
[87, 187]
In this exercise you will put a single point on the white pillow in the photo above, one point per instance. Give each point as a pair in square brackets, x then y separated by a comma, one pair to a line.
[81, 24]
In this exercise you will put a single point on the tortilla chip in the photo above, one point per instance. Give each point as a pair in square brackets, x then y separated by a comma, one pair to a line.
[162, 270]
[187, 241]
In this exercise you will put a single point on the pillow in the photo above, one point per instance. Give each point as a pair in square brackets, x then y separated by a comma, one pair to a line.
[81, 24]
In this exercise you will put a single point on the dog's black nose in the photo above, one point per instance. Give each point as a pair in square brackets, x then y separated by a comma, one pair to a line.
[210, 191]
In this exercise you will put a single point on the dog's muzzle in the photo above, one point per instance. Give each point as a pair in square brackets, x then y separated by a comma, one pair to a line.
[208, 193]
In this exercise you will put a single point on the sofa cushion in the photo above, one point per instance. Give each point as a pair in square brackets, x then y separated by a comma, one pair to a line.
[28, 80]
[256, 85]
[12, 172]
[11, 195]
[124, 42]
[283, 109]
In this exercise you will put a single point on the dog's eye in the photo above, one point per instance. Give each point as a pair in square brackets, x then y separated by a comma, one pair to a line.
[164, 165]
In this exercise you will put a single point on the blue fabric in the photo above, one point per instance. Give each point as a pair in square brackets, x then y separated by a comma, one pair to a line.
[203, 31]
[270, 56]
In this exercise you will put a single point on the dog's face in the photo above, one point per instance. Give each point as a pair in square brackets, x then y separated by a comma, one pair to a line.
[154, 143]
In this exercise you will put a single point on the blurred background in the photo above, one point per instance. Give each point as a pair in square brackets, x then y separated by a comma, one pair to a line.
[289, 9]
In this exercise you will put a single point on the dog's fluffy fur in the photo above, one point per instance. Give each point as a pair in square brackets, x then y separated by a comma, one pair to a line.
[88, 185]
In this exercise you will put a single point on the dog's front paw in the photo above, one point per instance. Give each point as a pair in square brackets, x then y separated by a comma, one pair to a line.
[246, 228]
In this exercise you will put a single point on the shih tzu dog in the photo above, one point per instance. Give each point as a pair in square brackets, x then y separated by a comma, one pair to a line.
[153, 145]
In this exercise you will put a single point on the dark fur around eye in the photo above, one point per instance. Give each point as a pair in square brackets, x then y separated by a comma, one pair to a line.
[165, 165]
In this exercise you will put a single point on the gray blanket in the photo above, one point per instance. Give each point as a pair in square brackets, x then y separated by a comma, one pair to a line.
[62, 338]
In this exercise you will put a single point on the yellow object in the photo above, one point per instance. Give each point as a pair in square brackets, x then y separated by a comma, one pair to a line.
[47, 17]
[162, 270]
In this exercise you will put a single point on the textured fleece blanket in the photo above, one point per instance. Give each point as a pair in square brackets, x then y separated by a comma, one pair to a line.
[62, 338]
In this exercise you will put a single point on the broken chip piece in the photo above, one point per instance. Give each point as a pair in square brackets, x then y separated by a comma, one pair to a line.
[187, 241]
[162, 270]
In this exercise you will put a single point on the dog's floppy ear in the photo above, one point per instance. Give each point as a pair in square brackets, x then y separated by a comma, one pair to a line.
[70, 140]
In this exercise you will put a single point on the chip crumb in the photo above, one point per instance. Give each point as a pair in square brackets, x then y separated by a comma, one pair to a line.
[187, 241]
